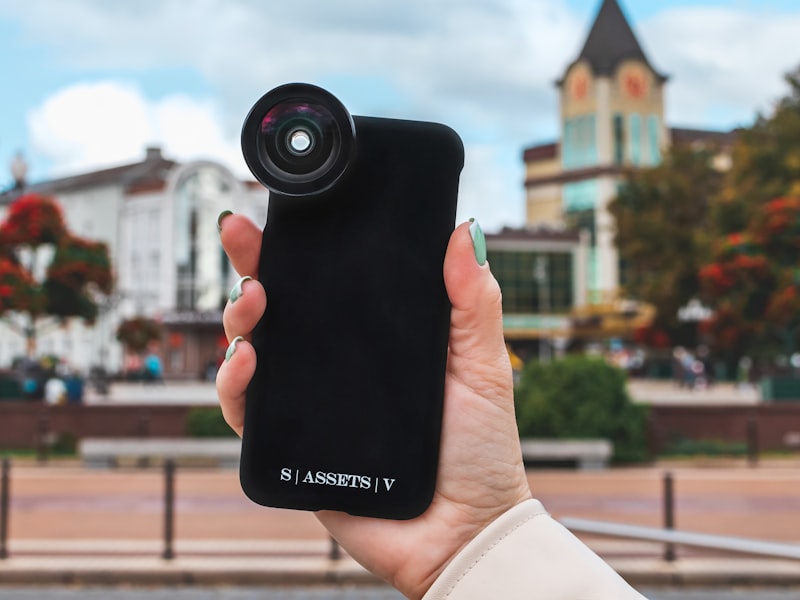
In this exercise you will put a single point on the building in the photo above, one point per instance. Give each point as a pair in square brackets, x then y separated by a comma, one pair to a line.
[611, 102]
[541, 274]
[159, 220]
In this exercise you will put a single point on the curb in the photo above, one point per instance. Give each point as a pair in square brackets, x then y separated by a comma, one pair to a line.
[244, 571]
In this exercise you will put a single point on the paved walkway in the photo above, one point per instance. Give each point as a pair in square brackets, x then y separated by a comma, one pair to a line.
[661, 392]
[97, 527]
[650, 391]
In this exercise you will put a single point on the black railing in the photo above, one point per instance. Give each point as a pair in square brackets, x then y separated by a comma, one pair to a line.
[168, 552]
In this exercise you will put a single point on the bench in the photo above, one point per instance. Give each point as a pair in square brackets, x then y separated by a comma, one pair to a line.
[141, 452]
[589, 454]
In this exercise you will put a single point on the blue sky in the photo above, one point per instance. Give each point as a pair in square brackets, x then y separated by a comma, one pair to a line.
[88, 83]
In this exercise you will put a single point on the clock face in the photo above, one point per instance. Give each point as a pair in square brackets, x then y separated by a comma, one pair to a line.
[634, 82]
[578, 86]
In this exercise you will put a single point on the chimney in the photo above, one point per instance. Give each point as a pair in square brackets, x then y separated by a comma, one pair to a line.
[152, 153]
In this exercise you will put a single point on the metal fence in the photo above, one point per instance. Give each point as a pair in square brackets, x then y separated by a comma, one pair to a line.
[168, 512]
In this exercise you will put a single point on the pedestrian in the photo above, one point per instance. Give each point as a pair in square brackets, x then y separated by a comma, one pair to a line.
[154, 372]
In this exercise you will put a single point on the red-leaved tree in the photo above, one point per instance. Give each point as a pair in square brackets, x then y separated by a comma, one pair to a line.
[753, 283]
[47, 275]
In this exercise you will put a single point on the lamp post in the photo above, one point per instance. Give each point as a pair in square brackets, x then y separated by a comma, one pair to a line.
[19, 171]
[540, 275]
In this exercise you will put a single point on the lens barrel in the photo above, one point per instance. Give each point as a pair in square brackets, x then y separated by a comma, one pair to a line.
[298, 139]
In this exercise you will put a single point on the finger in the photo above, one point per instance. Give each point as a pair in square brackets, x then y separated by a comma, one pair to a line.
[477, 316]
[241, 239]
[246, 304]
[233, 378]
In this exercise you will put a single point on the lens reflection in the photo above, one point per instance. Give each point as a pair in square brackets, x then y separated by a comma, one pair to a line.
[300, 139]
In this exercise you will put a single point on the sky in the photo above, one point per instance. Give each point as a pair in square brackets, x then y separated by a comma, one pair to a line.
[88, 84]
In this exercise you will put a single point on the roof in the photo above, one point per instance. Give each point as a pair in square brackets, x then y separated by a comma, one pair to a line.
[683, 135]
[539, 233]
[547, 151]
[149, 173]
[611, 40]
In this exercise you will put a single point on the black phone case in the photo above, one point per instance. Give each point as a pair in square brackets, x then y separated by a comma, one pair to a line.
[344, 411]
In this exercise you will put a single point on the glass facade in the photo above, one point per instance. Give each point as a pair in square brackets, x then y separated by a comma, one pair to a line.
[580, 195]
[654, 141]
[201, 267]
[618, 128]
[579, 145]
[635, 140]
[534, 282]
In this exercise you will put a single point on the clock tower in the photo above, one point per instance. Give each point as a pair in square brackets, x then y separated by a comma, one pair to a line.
[612, 117]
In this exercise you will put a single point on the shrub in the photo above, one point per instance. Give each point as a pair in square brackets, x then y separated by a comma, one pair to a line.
[207, 422]
[684, 447]
[581, 397]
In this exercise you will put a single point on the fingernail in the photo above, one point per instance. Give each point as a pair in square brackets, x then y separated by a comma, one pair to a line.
[232, 348]
[237, 290]
[478, 241]
[221, 216]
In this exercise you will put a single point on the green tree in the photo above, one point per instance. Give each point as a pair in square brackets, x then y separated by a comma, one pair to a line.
[663, 216]
[581, 397]
[47, 275]
[752, 277]
[765, 163]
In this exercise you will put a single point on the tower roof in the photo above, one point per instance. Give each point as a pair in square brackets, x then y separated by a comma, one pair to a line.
[612, 40]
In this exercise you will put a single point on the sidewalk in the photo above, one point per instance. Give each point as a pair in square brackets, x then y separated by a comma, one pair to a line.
[649, 391]
[664, 392]
[63, 520]
[232, 563]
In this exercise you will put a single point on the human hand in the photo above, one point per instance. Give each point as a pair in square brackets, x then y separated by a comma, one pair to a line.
[480, 464]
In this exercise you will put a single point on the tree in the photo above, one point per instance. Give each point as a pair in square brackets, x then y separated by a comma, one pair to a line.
[47, 275]
[752, 277]
[765, 163]
[663, 217]
[753, 283]
[581, 397]
[136, 333]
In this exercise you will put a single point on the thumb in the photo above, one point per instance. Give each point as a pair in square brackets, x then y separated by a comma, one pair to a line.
[476, 322]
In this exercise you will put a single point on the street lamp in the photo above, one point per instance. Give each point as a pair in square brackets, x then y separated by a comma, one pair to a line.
[542, 283]
[19, 171]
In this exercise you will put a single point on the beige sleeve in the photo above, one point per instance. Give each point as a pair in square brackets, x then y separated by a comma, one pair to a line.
[526, 555]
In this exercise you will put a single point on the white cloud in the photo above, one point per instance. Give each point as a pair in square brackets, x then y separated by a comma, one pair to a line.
[725, 63]
[485, 67]
[91, 125]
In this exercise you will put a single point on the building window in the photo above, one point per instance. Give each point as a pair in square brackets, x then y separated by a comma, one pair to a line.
[653, 129]
[619, 139]
[583, 219]
[516, 272]
[580, 195]
[635, 141]
[580, 142]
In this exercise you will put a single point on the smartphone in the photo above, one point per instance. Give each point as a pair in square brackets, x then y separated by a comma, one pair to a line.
[344, 411]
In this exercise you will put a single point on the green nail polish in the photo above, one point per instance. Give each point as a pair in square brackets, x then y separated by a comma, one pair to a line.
[221, 216]
[232, 348]
[237, 291]
[478, 241]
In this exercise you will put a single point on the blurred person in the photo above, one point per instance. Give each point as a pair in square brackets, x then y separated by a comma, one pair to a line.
[483, 536]
[55, 391]
[153, 370]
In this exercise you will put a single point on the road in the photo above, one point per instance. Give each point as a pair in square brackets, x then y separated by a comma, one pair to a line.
[34, 593]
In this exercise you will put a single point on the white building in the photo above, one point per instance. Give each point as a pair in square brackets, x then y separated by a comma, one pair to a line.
[159, 219]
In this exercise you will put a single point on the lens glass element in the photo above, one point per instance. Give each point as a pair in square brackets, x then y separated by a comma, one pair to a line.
[300, 139]
[300, 142]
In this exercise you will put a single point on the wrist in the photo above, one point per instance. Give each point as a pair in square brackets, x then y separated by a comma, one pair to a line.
[465, 524]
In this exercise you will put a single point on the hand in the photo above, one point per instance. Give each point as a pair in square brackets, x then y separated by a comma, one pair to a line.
[480, 465]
